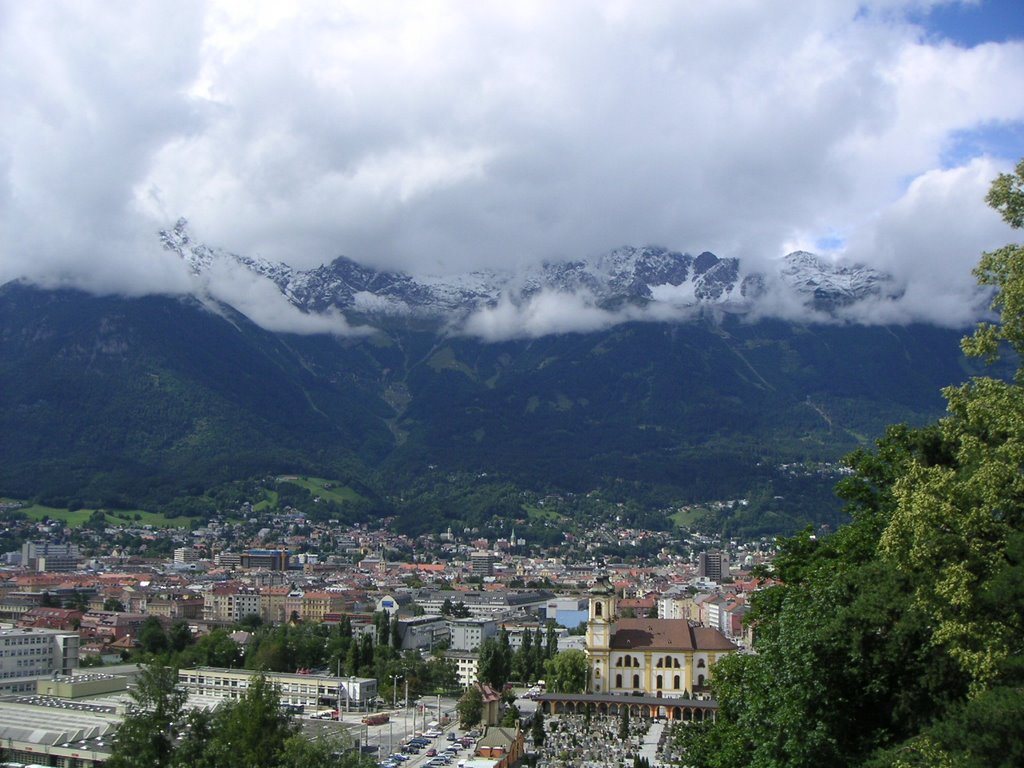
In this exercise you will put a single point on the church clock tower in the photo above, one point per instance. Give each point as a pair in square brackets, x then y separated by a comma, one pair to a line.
[600, 625]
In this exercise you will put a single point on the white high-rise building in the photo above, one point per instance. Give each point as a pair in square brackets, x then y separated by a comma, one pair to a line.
[28, 654]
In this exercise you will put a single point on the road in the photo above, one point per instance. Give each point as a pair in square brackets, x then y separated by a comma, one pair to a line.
[388, 737]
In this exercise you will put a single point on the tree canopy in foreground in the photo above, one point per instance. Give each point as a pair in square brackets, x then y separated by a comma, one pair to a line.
[252, 732]
[898, 640]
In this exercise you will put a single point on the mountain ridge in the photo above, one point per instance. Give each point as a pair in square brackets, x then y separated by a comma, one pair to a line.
[131, 401]
[626, 277]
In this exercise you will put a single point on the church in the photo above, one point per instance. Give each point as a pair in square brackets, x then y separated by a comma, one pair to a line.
[648, 657]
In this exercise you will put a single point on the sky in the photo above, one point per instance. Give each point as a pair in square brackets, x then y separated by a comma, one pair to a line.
[437, 137]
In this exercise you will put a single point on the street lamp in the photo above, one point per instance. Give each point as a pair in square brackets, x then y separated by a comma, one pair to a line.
[394, 690]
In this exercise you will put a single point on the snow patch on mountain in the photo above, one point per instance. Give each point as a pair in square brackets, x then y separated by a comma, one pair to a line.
[627, 283]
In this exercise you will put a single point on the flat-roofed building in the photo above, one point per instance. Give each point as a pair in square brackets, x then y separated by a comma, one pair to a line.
[47, 556]
[467, 666]
[28, 654]
[488, 603]
[270, 559]
[423, 633]
[469, 634]
[43, 730]
[308, 691]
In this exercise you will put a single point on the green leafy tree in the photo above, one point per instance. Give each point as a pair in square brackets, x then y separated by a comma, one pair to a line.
[470, 707]
[537, 728]
[215, 649]
[325, 751]
[522, 659]
[149, 732]
[897, 641]
[250, 732]
[179, 636]
[551, 642]
[511, 717]
[495, 663]
[568, 672]
[443, 675]
[152, 637]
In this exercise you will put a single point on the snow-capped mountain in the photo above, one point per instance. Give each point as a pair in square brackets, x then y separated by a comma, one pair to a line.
[626, 276]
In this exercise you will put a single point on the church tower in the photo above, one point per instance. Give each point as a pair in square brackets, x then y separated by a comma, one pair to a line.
[600, 625]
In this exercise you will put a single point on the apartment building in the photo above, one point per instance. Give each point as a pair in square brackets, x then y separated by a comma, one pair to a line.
[28, 654]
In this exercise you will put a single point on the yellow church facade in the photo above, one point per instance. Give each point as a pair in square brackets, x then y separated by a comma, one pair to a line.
[648, 657]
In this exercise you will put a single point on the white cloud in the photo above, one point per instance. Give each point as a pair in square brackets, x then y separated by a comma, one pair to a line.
[930, 239]
[261, 301]
[442, 136]
[542, 314]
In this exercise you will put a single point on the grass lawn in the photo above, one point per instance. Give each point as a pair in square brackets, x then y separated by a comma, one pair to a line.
[268, 503]
[541, 513]
[120, 517]
[317, 486]
[686, 518]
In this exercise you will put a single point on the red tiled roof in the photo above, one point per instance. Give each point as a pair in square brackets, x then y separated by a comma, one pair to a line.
[667, 635]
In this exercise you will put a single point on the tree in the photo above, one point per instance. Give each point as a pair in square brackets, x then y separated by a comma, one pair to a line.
[897, 641]
[521, 669]
[250, 732]
[470, 707]
[396, 637]
[537, 728]
[325, 751]
[113, 604]
[495, 663]
[179, 637]
[511, 717]
[251, 622]
[568, 672]
[152, 637]
[443, 675]
[148, 734]
[551, 641]
[624, 722]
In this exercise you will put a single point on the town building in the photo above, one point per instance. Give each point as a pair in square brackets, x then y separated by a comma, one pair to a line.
[45, 556]
[423, 633]
[270, 559]
[28, 654]
[481, 562]
[487, 604]
[713, 565]
[647, 656]
[467, 666]
[469, 634]
[309, 692]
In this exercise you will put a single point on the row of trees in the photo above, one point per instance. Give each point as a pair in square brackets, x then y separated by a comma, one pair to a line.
[252, 732]
[499, 663]
[899, 641]
[288, 647]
